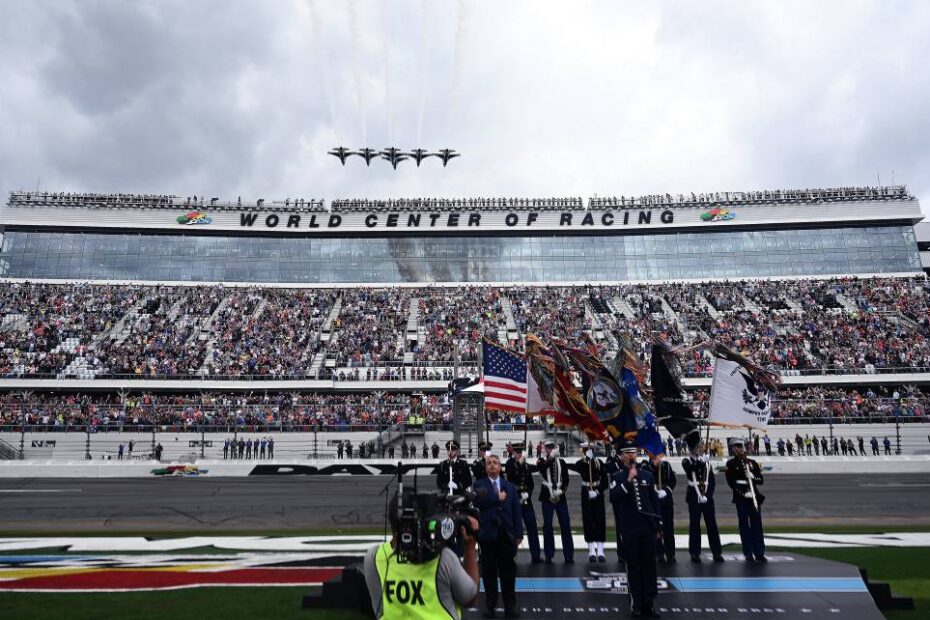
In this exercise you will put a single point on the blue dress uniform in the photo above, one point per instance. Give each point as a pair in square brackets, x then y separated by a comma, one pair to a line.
[612, 466]
[701, 484]
[638, 506]
[520, 475]
[554, 474]
[593, 482]
[665, 480]
[744, 476]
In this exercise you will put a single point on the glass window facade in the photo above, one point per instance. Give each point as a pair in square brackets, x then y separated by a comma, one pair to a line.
[718, 254]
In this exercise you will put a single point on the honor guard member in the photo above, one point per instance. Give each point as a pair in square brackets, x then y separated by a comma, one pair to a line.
[518, 472]
[554, 473]
[477, 467]
[611, 466]
[744, 475]
[454, 476]
[634, 493]
[700, 499]
[665, 484]
[593, 485]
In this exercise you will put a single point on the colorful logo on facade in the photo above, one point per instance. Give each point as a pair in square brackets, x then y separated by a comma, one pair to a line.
[186, 471]
[717, 214]
[194, 217]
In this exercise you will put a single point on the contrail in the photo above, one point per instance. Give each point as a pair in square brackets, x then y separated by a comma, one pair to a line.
[458, 53]
[323, 53]
[386, 55]
[356, 73]
[424, 19]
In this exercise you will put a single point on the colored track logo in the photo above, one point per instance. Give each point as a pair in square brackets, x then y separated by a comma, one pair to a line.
[194, 217]
[717, 214]
[186, 471]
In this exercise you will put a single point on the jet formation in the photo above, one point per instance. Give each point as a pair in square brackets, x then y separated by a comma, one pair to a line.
[393, 155]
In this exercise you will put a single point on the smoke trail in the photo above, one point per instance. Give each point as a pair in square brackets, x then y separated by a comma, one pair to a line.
[458, 53]
[323, 52]
[424, 21]
[386, 55]
[356, 72]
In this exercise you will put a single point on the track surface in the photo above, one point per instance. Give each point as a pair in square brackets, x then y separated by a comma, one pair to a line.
[315, 502]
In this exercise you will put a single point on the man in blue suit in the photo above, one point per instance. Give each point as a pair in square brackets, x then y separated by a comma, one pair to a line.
[499, 535]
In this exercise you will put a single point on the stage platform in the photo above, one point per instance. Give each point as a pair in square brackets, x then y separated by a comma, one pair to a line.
[788, 586]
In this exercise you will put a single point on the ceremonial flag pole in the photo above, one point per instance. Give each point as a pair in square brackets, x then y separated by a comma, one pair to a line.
[484, 408]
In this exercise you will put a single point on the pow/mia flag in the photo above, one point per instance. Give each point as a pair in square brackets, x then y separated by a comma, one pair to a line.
[736, 399]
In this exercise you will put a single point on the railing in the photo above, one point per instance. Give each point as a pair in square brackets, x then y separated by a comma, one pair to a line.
[8, 452]
[299, 376]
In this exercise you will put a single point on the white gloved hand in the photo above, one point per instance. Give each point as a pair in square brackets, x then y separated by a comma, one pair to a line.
[747, 495]
[524, 497]
[662, 493]
[592, 494]
[453, 486]
[557, 494]
[702, 499]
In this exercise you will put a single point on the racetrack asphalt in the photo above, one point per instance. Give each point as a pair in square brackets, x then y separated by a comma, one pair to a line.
[302, 503]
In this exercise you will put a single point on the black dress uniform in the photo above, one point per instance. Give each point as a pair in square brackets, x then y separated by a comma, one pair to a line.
[701, 484]
[478, 465]
[744, 476]
[521, 476]
[593, 479]
[455, 470]
[638, 505]
[665, 481]
[554, 473]
[611, 466]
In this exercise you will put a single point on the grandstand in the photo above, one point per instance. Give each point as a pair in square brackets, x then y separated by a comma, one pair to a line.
[129, 312]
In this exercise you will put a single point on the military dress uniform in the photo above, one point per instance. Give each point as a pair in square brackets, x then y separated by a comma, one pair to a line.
[593, 484]
[665, 481]
[637, 502]
[456, 470]
[554, 473]
[478, 465]
[521, 476]
[745, 475]
[700, 499]
[611, 466]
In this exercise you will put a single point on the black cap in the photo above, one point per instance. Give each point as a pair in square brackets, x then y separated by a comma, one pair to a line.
[549, 443]
[518, 446]
[485, 445]
[626, 445]
[452, 445]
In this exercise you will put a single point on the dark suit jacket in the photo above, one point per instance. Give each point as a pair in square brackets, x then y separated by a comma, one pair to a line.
[496, 514]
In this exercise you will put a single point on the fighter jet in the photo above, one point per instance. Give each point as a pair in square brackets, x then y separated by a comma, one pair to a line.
[418, 155]
[393, 155]
[367, 154]
[445, 155]
[341, 153]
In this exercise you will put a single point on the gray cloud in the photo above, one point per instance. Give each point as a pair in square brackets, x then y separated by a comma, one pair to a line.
[244, 98]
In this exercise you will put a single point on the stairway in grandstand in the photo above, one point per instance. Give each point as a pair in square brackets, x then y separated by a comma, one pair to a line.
[509, 320]
[8, 452]
[705, 303]
[623, 307]
[207, 333]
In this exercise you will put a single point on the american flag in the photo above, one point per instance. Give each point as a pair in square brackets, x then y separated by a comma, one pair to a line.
[504, 379]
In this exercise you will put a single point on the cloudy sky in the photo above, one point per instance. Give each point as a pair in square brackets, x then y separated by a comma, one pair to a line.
[237, 98]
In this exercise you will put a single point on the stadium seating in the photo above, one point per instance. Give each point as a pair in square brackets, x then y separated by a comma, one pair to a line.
[85, 331]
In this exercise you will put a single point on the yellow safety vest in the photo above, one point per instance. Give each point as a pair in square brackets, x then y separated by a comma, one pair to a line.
[409, 590]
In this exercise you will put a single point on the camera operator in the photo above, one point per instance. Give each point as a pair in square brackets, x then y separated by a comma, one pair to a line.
[435, 588]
